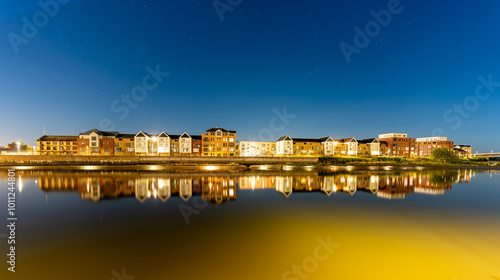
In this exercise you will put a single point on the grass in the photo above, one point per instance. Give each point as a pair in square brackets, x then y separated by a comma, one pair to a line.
[401, 161]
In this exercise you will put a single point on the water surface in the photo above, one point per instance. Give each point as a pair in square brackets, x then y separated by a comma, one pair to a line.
[440, 224]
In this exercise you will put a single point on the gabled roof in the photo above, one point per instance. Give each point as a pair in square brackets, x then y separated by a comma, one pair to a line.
[368, 141]
[163, 134]
[127, 136]
[324, 139]
[383, 143]
[142, 134]
[214, 129]
[284, 137]
[58, 138]
[185, 135]
[349, 139]
[102, 133]
[468, 146]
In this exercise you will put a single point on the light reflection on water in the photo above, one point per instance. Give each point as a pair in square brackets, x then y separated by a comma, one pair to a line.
[440, 224]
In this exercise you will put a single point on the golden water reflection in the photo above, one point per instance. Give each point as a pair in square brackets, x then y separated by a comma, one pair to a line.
[220, 188]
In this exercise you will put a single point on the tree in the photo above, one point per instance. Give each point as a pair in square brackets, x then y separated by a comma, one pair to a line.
[444, 155]
[24, 147]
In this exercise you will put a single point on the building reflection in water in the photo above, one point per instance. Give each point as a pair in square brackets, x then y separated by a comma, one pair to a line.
[222, 188]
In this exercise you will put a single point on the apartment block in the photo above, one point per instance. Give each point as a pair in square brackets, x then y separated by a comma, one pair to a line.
[57, 145]
[369, 147]
[307, 147]
[96, 142]
[287, 145]
[399, 144]
[328, 145]
[125, 145]
[257, 148]
[219, 142]
[426, 145]
[284, 146]
[346, 147]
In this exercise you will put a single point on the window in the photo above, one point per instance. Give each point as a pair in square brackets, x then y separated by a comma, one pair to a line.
[94, 138]
[82, 149]
[106, 149]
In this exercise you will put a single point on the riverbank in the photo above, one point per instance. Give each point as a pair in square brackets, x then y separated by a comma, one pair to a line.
[231, 164]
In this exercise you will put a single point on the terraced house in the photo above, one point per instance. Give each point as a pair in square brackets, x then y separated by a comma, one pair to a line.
[219, 142]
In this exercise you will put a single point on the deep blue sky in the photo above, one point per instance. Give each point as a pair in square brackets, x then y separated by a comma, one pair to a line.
[263, 55]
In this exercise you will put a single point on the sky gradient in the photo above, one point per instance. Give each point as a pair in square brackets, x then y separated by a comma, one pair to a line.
[418, 74]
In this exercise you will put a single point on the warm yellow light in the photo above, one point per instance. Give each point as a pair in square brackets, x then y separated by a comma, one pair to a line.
[154, 139]
[210, 167]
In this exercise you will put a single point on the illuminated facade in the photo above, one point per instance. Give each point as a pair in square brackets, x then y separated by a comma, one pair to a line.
[369, 147]
[57, 145]
[96, 142]
[219, 142]
[257, 148]
[425, 146]
[398, 144]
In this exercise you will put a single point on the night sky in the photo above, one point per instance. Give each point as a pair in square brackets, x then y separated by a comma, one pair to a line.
[231, 62]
